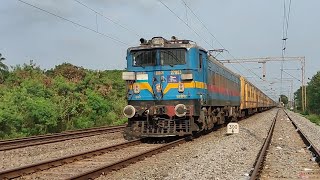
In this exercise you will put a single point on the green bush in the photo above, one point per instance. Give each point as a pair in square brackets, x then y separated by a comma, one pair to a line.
[66, 97]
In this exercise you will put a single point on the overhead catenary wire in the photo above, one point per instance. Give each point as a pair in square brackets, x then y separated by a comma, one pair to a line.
[184, 22]
[292, 76]
[286, 24]
[75, 23]
[207, 29]
[108, 18]
[285, 27]
[221, 44]
[202, 23]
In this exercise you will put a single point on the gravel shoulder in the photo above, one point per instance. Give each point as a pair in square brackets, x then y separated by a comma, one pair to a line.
[311, 130]
[213, 156]
[29, 155]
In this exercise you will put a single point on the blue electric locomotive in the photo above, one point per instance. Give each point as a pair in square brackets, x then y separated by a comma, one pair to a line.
[176, 88]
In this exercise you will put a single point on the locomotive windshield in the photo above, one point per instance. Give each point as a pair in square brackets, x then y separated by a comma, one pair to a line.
[144, 58]
[172, 56]
[167, 57]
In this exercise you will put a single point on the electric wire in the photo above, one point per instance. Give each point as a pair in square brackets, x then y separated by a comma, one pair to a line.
[189, 26]
[108, 18]
[184, 22]
[202, 23]
[74, 23]
[285, 27]
[207, 29]
[292, 76]
[287, 23]
[209, 33]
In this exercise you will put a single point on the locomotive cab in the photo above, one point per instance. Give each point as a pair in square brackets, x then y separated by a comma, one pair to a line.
[165, 87]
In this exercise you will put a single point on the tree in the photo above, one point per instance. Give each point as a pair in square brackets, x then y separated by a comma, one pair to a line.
[284, 99]
[298, 99]
[313, 94]
[3, 69]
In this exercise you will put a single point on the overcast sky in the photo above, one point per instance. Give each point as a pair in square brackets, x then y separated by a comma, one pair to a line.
[247, 28]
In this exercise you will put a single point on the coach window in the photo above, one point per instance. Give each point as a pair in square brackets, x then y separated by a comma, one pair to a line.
[233, 86]
[227, 83]
[214, 78]
[223, 82]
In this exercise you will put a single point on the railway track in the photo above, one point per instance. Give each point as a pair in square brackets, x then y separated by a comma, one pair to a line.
[51, 138]
[286, 153]
[90, 164]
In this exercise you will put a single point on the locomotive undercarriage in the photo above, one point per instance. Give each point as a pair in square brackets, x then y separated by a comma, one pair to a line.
[159, 126]
[211, 116]
[205, 119]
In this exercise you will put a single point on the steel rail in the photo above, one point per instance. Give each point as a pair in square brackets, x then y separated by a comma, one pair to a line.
[263, 150]
[125, 162]
[306, 140]
[51, 138]
[20, 171]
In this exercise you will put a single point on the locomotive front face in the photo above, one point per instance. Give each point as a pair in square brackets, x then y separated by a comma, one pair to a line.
[161, 85]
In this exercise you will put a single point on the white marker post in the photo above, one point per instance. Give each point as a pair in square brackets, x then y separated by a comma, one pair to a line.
[232, 128]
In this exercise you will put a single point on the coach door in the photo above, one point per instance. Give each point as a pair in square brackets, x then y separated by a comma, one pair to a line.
[201, 84]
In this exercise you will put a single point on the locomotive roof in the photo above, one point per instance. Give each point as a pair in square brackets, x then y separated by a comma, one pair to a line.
[173, 43]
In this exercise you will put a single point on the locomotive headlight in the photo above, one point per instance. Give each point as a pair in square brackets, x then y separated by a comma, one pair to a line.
[128, 76]
[180, 110]
[181, 87]
[186, 76]
[136, 88]
[129, 111]
[158, 41]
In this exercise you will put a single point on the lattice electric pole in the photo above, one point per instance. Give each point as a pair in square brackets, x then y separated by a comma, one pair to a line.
[264, 60]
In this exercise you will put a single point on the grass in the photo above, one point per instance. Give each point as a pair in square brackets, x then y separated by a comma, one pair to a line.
[120, 122]
[313, 118]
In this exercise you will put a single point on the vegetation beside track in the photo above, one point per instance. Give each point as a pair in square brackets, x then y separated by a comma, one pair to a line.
[36, 101]
[313, 118]
[313, 99]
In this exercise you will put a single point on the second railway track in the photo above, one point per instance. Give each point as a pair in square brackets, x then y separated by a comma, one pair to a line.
[51, 138]
[90, 164]
[286, 153]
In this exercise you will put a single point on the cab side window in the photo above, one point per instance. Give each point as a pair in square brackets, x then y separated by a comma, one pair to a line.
[200, 60]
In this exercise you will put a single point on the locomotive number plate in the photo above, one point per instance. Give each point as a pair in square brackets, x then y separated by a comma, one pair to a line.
[232, 128]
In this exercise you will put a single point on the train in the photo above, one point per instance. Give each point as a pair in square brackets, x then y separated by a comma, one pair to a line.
[177, 88]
